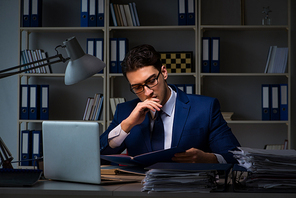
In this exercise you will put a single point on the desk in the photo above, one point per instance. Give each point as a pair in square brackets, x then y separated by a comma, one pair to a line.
[56, 189]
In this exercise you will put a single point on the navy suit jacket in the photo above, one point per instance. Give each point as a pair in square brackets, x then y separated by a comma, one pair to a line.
[198, 123]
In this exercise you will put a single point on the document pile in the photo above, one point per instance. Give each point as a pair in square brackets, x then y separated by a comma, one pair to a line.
[157, 180]
[273, 170]
[185, 177]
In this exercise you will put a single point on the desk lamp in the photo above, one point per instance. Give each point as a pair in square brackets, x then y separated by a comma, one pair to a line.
[81, 66]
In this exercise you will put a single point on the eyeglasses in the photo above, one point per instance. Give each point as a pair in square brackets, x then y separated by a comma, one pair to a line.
[136, 89]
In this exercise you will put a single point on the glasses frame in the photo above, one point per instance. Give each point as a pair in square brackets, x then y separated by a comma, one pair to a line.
[156, 78]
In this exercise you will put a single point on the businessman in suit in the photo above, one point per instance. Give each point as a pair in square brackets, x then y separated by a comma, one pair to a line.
[163, 116]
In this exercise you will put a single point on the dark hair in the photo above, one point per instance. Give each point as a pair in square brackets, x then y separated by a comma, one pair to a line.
[141, 56]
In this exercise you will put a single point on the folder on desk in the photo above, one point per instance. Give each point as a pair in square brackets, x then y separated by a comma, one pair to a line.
[24, 102]
[84, 13]
[92, 17]
[122, 50]
[283, 101]
[34, 102]
[182, 18]
[215, 55]
[44, 96]
[113, 54]
[206, 52]
[26, 13]
[36, 16]
[26, 147]
[275, 110]
[190, 12]
[100, 13]
[36, 146]
[265, 102]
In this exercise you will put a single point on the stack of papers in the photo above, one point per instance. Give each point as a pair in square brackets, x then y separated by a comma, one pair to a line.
[157, 180]
[186, 177]
[268, 169]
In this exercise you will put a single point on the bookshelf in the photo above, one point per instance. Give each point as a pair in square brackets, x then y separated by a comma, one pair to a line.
[236, 87]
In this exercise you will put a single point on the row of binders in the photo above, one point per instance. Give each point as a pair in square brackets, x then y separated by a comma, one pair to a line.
[210, 54]
[187, 88]
[186, 12]
[31, 13]
[34, 102]
[124, 14]
[31, 147]
[275, 102]
[93, 107]
[118, 50]
[92, 13]
[276, 60]
[114, 102]
[28, 56]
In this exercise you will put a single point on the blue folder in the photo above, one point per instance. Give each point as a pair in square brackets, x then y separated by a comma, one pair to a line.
[283, 101]
[24, 102]
[44, 96]
[26, 148]
[275, 109]
[34, 108]
[206, 55]
[182, 15]
[215, 55]
[36, 146]
[265, 95]
[122, 50]
[113, 55]
[26, 13]
[92, 14]
[36, 13]
[100, 12]
[84, 13]
[190, 12]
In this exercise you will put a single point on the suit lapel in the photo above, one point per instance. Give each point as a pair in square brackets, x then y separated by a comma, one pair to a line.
[181, 114]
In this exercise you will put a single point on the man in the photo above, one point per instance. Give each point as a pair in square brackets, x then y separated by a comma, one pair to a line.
[192, 122]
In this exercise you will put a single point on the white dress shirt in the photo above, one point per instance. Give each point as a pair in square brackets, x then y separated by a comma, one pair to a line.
[117, 135]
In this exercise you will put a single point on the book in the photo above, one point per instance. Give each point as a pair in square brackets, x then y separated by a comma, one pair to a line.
[145, 159]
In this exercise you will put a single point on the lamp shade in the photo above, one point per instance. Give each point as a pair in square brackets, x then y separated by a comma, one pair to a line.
[81, 66]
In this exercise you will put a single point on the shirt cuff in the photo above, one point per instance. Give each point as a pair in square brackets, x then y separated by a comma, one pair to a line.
[220, 159]
[116, 137]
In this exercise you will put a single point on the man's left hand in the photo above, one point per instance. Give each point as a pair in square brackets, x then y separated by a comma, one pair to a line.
[194, 155]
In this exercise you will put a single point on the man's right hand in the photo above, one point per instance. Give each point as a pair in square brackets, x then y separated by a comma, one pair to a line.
[137, 116]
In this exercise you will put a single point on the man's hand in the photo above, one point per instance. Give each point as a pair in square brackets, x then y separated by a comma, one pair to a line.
[194, 155]
[137, 116]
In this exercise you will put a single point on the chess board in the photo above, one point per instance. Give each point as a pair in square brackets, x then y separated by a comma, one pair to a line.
[177, 62]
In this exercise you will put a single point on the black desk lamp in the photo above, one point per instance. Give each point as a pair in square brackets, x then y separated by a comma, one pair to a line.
[81, 66]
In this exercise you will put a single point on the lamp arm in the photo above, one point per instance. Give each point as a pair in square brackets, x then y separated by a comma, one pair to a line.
[59, 56]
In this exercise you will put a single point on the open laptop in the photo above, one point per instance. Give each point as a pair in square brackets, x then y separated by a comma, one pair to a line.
[71, 152]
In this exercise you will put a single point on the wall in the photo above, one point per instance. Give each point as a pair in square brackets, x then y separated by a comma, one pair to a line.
[9, 12]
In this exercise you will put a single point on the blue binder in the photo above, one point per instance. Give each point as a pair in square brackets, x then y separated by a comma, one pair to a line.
[182, 15]
[113, 55]
[26, 13]
[190, 12]
[26, 148]
[44, 96]
[92, 17]
[206, 54]
[34, 102]
[283, 101]
[36, 13]
[24, 102]
[275, 110]
[265, 90]
[99, 49]
[215, 55]
[84, 13]
[90, 46]
[100, 12]
[36, 146]
[122, 50]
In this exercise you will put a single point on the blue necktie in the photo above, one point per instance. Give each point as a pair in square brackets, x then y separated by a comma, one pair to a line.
[157, 137]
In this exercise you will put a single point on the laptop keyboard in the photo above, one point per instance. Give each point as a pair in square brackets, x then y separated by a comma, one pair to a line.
[19, 177]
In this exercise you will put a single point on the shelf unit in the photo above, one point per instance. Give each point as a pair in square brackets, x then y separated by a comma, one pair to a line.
[159, 27]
